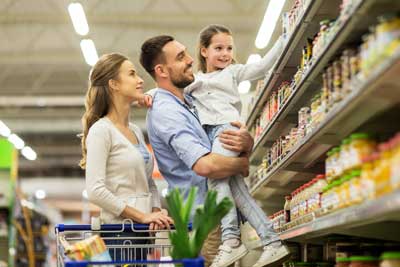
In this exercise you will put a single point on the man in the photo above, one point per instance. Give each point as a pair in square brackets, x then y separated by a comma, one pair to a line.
[181, 146]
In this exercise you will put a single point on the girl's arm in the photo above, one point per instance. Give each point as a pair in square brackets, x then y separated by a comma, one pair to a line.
[259, 69]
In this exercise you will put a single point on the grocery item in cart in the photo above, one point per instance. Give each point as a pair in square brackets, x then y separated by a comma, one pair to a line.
[92, 248]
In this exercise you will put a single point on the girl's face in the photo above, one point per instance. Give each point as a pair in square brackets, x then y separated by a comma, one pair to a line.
[219, 53]
[129, 83]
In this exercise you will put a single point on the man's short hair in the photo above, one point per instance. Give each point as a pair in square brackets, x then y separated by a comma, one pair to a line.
[151, 52]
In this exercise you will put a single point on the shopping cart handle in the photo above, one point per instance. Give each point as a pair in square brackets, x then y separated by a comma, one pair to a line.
[108, 227]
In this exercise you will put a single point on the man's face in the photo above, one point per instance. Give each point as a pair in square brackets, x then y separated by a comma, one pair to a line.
[179, 64]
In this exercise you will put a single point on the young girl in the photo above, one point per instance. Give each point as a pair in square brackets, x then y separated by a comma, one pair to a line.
[216, 98]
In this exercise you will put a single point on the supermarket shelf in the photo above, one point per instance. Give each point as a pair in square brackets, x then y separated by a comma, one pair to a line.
[306, 26]
[286, 117]
[370, 97]
[380, 216]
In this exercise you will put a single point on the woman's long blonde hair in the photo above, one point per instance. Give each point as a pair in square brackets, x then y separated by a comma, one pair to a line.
[98, 99]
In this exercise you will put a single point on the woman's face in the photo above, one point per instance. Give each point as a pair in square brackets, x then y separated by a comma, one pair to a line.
[129, 83]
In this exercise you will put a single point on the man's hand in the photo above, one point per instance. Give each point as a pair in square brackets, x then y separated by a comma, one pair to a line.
[237, 140]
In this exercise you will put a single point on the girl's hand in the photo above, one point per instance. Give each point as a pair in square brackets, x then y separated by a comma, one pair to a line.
[146, 101]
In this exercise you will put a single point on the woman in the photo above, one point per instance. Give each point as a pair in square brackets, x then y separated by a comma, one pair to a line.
[117, 162]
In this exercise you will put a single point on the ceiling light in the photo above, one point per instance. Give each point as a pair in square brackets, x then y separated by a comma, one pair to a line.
[89, 51]
[28, 153]
[78, 18]
[4, 130]
[16, 141]
[267, 27]
[40, 194]
[85, 194]
[253, 58]
[244, 87]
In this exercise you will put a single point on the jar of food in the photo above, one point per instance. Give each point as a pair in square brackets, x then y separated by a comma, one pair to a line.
[337, 80]
[390, 259]
[346, 70]
[300, 201]
[320, 184]
[345, 191]
[336, 194]
[367, 180]
[342, 262]
[354, 64]
[395, 163]
[355, 190]
[316, 111]
[360, 145]
[291, 205]
[325, 201]
[364, 261]
[345, 157]
[329, 168]
[383, 185]
[286, 208]
[335, 161]
[387, 34]
[304, 116]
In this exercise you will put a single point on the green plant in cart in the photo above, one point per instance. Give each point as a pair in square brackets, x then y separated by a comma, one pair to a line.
[206, 218]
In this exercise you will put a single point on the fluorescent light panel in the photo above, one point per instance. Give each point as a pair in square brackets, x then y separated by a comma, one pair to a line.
[4, 130]
[16, 141]
[89, 51]
[78, 18]
[267, 27]
[40, 194]
[28, 153]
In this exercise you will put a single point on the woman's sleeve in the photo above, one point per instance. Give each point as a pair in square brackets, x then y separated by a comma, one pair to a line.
[155, 197]
[98, 145]
[258, 70]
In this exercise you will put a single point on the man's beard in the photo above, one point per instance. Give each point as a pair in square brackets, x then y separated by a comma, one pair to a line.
[182, 81]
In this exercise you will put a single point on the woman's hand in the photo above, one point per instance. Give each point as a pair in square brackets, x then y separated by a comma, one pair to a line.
[157, 220]
[153, 226]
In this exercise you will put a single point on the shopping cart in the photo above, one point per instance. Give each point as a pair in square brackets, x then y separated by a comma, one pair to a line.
[126, 243]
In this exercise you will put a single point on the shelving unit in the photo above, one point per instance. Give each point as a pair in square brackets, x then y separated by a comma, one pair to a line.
[371, 96]
[373, 219]
[378, 93]
[372, 106]
[287, 61]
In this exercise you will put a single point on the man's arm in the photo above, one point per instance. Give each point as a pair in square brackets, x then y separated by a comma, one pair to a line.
[215, 166]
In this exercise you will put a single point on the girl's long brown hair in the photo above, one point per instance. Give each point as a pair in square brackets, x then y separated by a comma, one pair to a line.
[98, 98]
[205, 37]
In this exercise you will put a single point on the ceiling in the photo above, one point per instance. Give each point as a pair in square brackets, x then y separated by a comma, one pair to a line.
[43, 76]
